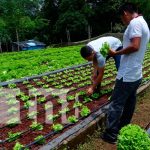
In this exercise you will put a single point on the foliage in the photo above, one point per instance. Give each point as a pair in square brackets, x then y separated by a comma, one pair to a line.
[85, 111]
[57, 127]
[77, 104]
[13, 110]
[40, 139]
[13, 136]
[36, 126]
[32, 115]
[18, 146]
[133, 137]
[72, 119]
[105, 49]
[95, 95]
[29, 104]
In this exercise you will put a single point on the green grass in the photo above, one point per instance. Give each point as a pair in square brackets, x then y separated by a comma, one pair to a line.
[27, 63]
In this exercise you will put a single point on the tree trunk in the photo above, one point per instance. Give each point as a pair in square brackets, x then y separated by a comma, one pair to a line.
[1, 47]
[89, 32]
[17, 36]
[7, 47]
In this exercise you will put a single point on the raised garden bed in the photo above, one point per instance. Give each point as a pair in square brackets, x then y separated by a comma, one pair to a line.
[52, 93]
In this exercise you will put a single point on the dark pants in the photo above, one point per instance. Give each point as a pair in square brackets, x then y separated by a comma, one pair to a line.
[121, 109]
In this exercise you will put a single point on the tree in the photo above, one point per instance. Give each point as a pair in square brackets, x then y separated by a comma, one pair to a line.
[4, 36]
[73, 18]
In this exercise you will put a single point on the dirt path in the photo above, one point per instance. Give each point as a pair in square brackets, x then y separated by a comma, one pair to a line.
[141, 117]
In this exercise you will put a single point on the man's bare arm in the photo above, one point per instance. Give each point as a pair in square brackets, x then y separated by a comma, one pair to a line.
[133, 47]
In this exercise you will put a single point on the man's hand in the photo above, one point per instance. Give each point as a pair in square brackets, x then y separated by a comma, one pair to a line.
[90, 91]
[112, 52]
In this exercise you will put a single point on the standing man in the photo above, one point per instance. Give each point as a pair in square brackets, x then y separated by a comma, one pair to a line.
[129, 77]
[91, 52]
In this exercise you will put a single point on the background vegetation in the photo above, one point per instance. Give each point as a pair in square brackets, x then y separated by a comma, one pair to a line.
[60, 21]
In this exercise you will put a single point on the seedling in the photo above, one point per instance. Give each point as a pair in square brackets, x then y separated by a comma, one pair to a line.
[29, 104]
[12, 85]
[40, 139]
[12, 102]
[32, 115]
[82, 93]
[48, 106]
[18, 146]
[61, 101]
[57, 127]
[95, 95]
[52, 117]
[13, 122]
[12, 110]
[65, 110]
[70, 97]
[24, 98]
[87, 99]
[36, 126]
[13, 136]
[77, 104]
[41, 100]
[85, 111]
[72, 119]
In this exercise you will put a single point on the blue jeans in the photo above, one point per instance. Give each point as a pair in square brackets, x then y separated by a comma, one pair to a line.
[121, 109]
[116, 58]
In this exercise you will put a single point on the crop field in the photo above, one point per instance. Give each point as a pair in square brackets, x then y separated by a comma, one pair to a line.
[34, 115]
[20, 64]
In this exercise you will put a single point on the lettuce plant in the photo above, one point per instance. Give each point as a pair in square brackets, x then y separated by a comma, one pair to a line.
[13, 122]
[132, 137]
[72, 119]
[61, 101]
[41, 139]
[29, 104]
[12, 85]
[85, 111]
[18, 146]
[36, 126]
[105, 49]
[77, 104]
[57, 127]
[32, 115]
[52, 117]
[95, 95]
[65, 110]
[13, 136]
[48, 106]
[87, 99]
[70, 97]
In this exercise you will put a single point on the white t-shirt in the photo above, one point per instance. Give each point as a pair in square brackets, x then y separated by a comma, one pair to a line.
[131, 64]
[97, 44]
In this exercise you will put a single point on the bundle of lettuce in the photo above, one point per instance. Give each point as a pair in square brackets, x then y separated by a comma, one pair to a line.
[105, 49]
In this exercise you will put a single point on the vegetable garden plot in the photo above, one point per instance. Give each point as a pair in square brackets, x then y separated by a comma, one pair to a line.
[36, 127]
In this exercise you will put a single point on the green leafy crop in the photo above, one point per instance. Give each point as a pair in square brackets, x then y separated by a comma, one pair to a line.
[72, 119]
[40, 138]
[36, 126]
[57, 127]
[18, 146]
[132, 137]
[13, 136]
[85, 111]
[105, 49]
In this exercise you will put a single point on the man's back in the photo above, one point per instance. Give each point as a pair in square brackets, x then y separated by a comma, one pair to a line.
[112, 41]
